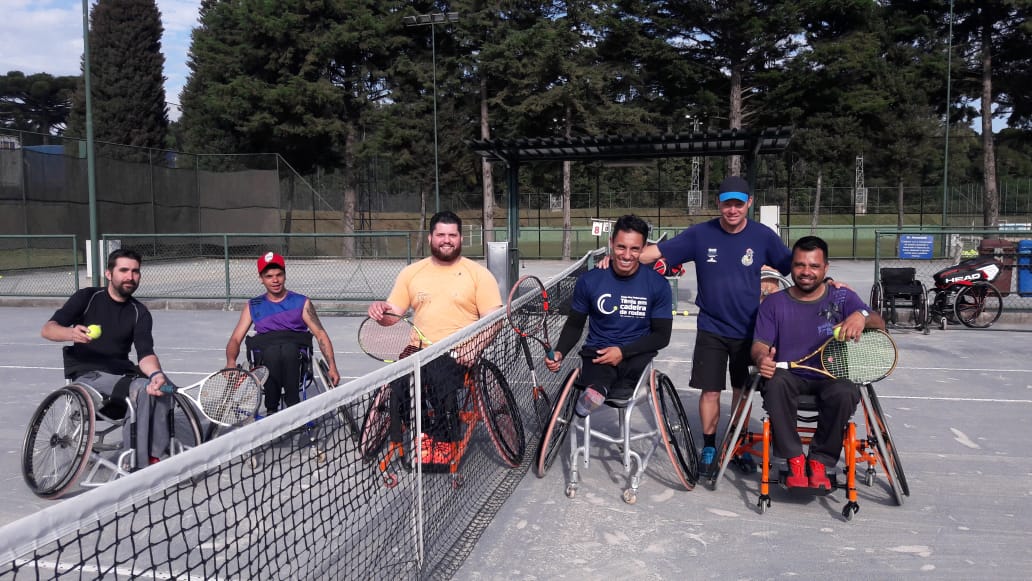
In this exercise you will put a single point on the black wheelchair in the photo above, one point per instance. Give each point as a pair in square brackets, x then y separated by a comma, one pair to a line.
[900, 298]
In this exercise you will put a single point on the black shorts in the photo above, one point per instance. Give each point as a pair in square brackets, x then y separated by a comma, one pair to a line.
[615, 382]
[710, 362]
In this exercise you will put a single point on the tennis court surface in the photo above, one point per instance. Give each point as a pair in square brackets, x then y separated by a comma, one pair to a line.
[256, 503]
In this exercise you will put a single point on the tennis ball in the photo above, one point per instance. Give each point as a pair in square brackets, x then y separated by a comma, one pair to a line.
[838, 333]
[93, 331]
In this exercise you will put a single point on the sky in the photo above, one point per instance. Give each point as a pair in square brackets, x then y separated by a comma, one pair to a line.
[45, 36]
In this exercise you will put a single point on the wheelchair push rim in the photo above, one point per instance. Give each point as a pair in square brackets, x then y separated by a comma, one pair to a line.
[58, 442]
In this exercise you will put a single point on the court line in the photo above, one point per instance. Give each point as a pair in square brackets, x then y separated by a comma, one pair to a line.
[963, 399]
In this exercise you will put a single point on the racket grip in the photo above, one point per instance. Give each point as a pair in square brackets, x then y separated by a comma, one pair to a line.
[781, 364]
[551, 353]
[167, 388]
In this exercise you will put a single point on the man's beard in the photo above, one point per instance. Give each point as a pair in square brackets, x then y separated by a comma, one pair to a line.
[125, 293]
[455, 255]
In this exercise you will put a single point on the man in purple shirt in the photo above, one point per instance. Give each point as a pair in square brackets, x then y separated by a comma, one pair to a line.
[791, 324]
[284, 323]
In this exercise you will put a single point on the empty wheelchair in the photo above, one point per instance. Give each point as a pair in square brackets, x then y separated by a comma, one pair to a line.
[862, 452]
[900, 298]
[78, 429]
[965, 294]
[671, 428]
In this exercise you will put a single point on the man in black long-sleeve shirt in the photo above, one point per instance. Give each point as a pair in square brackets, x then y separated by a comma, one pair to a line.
[630, 319]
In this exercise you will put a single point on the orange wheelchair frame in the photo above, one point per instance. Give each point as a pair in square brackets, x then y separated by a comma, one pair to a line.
[485, 397]
[875, 448]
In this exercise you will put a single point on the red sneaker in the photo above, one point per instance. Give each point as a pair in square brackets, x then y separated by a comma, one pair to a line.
[819, 475]
[797, 473]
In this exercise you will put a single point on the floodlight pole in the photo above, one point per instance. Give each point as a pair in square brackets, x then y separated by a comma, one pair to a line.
[432, 20]
[91, 177]
[946, 147]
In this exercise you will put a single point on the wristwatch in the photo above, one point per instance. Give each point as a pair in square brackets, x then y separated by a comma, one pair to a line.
[865, 313]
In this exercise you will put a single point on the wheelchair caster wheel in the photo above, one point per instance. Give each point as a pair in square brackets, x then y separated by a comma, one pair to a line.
[571, 491]
[869, 478]
[942, 324]
[390, 480]
[630, 496]
[849, 510]
[763, 504]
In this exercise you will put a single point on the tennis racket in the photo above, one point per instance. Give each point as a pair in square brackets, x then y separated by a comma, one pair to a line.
[869, 359]
[229, 397]
[527, 311]
[391, 342]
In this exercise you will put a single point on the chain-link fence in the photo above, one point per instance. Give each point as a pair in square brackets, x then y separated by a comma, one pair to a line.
[931, 251]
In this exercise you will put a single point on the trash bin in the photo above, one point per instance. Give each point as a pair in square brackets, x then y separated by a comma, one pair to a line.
[1005, 251]
[1025, 268]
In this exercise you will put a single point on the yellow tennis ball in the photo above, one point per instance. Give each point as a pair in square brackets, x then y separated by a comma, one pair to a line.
[93, 331]
[838, 333]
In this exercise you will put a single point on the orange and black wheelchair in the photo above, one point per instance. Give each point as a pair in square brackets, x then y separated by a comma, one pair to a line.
[864, 451]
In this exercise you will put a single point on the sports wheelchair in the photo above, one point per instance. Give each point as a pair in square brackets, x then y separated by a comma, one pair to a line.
[671, 428]
[900, 298]
[965, 293]
[79, 429]
[484, 397]
[873, 449]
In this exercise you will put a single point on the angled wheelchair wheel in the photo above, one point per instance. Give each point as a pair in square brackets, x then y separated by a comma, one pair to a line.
[187, 431]
[738, 423]
[877, 298]
[376, 425]
[501, 415]
[558, 425]
[886, 447]
[978, 306]
[58, 442]
[674, 428]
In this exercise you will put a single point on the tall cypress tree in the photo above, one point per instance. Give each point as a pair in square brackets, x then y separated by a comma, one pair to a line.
[127, 80]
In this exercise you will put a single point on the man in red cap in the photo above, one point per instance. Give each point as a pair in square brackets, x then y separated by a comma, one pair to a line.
[284, 323]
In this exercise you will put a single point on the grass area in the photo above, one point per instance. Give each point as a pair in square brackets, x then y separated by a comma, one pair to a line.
[27, 258]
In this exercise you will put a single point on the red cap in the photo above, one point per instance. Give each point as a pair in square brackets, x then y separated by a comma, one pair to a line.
[270, 259]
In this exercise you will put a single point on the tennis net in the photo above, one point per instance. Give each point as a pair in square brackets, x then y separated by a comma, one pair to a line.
[293, 496]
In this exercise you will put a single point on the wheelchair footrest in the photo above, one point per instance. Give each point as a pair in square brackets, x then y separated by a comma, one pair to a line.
[800, 491]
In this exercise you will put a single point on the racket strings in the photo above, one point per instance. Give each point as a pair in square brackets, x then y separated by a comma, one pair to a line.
[528, 313]
[870, 359]
[387, 342]
[230, 397]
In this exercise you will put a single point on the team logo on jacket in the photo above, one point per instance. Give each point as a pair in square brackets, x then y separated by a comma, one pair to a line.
[711, 254]
[747, 258]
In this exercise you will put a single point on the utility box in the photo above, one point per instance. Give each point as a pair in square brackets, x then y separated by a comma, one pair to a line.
[1025, 268]
[498, 264]
[1005, 251]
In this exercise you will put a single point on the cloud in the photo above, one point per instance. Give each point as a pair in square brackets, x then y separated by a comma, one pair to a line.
[45, 36]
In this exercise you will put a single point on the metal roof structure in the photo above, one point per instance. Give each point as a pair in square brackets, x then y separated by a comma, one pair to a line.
[614, 148]
[608, 148]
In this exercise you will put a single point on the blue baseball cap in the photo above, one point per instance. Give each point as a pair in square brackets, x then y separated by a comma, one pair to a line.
[734, 188]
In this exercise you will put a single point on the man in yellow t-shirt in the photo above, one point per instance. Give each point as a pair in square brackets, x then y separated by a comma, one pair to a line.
[446, 292]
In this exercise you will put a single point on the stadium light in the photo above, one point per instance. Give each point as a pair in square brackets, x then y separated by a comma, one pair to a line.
[91, 177]
[432, 20]
[946, 147]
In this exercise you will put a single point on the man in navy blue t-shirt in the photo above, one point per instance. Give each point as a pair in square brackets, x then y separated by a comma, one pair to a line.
[790, 325]
[728, 253]
[630, 319]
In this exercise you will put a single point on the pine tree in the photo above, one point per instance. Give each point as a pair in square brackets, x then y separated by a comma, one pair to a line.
[127, 79]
